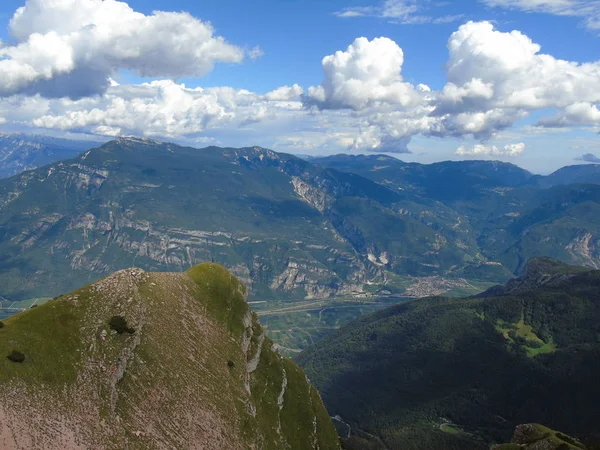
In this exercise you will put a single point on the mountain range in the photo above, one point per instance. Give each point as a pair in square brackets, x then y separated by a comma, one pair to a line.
[20, 151]
[289, 228]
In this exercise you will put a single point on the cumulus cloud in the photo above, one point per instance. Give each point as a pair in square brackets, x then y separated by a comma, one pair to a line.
[577, 114]
[367, 72]
[398, 11]
[588, 157]
[491, 150]
[489, 68]
[166, 109]
[370, 140]
[481, 125]
[587, 9]
[285, 93]
[255, 52]
[497, 78]
[71, 47]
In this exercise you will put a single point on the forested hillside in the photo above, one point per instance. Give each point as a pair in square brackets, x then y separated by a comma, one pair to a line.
[462, 373]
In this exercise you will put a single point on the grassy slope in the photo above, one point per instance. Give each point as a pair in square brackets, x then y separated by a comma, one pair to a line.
[177, 387]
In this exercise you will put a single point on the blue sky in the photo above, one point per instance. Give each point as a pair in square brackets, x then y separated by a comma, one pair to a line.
[294, 36]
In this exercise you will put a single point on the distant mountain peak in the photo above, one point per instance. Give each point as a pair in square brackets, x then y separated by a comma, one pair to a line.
[138, 140]
[21, 151]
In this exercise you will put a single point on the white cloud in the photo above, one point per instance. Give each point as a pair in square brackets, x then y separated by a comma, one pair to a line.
[71, 47]
[589, 10]
[481, 125]
[255, 52]
[285, 93]
[166, 109]
[491, 150]
[367, 72]
[399, 11]
[497, 78]
[511, 72]
[371, 140]
[581, 113]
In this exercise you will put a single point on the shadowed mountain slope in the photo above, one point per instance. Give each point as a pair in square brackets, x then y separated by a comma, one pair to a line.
[444, 373]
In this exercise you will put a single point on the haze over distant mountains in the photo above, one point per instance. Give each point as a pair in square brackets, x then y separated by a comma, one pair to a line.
[20, 151]
[290, 229]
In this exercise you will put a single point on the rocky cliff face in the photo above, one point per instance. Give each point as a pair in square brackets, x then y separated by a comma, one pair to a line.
[194, 370]
[252, 210]
[290, 229]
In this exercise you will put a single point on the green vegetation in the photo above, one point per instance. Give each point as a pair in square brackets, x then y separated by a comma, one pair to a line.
[197, 351]
[49, 336]
[222, 293]
[522, 335]
[9, 308]
[484, 364]
[449, 428]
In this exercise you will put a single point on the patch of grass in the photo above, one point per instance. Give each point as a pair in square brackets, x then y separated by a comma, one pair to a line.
[447, 428]
[297, 414]
[326, 432]
[223, 294]
[265, 387]
[548, 347]
[522, 335]
[50, 337]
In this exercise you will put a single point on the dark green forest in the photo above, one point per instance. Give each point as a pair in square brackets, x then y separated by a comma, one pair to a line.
[447, 373]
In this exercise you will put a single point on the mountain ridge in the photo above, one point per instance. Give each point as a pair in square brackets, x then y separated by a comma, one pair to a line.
[239, 191]
[192, 369]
